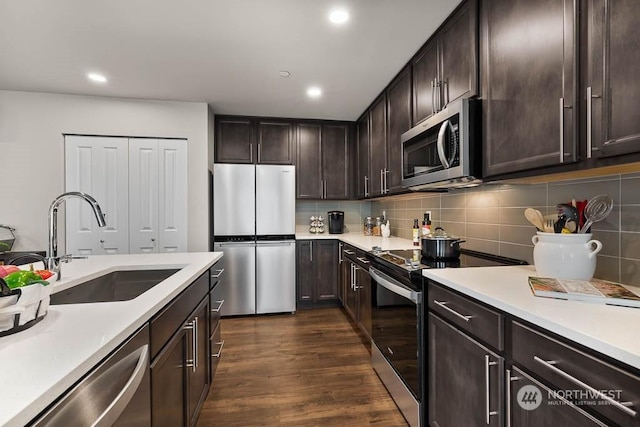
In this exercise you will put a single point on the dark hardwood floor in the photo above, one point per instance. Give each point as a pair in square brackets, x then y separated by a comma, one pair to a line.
[308, 369]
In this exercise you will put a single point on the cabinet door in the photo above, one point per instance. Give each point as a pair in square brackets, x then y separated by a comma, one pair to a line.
[97, 166]
[275, 143]
[351, 298]
[197, 360]
[378, 147]
[425, 77]
[172, 195]
[143, 195]
[462, 368]
[363, 281]
[335, 161]
[235, 140]
[325, 260]
[537, 410]
[528, 75]
[364, 176]
[305, 271]
[169, 384]
[613, 81]
[458, 48]
[308, 162]
[399, 121]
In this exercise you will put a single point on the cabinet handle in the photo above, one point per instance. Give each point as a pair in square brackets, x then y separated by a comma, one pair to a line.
[386, 181]
[339, 252]
[324, 184]
[348, 252]
[251, 152]
[443, 304]
[219, 273]
[193, 327]
[622, 406]
[259, 152]
[217, 310]
[508, 392]
[433, 96]
[310, 251]
[487, 364]
[353, 279]
[562, 108]
[366, 186]
[438, 96]
[221, 344]
[363, 260]
[590, 97]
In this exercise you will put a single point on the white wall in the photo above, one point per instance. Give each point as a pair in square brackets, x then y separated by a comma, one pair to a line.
[32, 153]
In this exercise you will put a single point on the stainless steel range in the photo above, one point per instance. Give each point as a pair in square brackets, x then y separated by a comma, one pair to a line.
[398, 333]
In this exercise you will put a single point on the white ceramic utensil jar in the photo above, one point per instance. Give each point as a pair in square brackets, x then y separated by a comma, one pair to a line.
[565, 256]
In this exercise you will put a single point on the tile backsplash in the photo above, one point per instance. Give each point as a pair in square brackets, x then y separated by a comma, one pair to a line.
[491, 218]
[354, 212]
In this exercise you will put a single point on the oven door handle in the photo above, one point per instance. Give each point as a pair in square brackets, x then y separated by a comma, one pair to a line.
[395, 287]
[446, 125]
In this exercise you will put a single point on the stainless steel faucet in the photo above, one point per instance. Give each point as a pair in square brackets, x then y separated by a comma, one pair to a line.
[54, 261]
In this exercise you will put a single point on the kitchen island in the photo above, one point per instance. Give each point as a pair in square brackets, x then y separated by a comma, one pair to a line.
[42, 362]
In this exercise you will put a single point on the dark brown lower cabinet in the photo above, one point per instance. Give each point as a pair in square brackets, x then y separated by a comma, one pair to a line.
[317, 270]
[168, 383]
[198, 364]
[356, 283]
[465, 379]
[532, 404]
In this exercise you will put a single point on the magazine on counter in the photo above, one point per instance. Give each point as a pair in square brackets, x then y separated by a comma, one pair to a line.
[594, 290]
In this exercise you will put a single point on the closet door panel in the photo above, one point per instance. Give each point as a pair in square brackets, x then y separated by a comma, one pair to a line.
[172, 196]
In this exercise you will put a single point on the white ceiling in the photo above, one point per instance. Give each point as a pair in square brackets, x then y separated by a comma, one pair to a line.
[226, 53]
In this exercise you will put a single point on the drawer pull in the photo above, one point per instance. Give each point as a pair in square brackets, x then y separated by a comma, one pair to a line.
[487, 364]
[443, 304]
[348, 252]
[217, 310]
[618, 405]
[509, 379]
[362, 260]
[221, 344]
[218, 273]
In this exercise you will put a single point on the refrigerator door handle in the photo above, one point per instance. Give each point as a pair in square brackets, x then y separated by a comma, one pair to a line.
[276, 243]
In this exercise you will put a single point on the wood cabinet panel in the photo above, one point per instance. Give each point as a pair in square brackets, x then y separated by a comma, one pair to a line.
[335, 161]
[305, 270]
[275, 142]
[425, 76]
[168, 384]
[399, 121]
[309, 162]
[235, 140]
[198, 376]
[528, 77]
[325, 256]
[378, 146]
[364, 176]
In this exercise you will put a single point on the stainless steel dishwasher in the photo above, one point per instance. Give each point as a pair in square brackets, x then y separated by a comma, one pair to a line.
[115, 393]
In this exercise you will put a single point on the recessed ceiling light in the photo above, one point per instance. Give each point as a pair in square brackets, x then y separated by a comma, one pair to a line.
[98, 78]
[339, 16]
[284, 73]
[314, 92]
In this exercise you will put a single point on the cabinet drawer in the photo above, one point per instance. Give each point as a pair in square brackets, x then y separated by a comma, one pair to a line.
[361, 259]
[569, 369]
[215, 352]
[165, 323]
[349, 252]
[476, 319]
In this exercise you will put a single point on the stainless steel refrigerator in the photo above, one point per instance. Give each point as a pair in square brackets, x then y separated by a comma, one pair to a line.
[254, 225]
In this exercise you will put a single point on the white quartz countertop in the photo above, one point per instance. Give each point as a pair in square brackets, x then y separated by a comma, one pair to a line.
[607, 329]
[42, 362]
[359, 240]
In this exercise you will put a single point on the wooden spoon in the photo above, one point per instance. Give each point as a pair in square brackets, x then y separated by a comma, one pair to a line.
[535, 217]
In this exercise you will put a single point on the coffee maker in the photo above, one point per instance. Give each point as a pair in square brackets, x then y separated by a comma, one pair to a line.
[336, 222]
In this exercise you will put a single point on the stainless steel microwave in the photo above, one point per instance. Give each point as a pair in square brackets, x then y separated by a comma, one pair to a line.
[444, 150]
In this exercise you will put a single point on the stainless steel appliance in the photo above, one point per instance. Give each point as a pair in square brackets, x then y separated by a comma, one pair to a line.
[398, 332]
[336, 222]
[254, 225]
[444, 151]
[116, 393]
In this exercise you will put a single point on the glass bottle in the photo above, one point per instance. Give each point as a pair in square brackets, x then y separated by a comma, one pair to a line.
[368, 226]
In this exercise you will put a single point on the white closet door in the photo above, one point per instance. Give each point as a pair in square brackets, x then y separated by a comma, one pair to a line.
[97, 166]
[143, 195]
[172, 195]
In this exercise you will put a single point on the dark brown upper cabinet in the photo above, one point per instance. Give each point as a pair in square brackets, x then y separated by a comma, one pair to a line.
[398, 122]
[235, 140]
[254, 140]
[528, 80]
[322, 161]
[275, 142]
[446, 68]
[612, 80]
[363, 177]
[378, 147]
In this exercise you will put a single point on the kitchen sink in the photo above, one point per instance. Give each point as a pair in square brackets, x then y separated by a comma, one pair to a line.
[121, 285]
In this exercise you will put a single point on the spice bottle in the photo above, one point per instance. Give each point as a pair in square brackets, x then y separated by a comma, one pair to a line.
[376, 227]
[368, 226]
[416, 233]
[426, 224]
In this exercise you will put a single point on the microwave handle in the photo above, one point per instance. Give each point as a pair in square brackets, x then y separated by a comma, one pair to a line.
[441, 154]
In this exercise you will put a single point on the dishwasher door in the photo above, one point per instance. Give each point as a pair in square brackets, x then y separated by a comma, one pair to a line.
[276, 276]
[115, 393]
[238, 286]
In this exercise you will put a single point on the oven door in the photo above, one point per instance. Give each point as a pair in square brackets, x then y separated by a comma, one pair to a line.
[397, 327]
